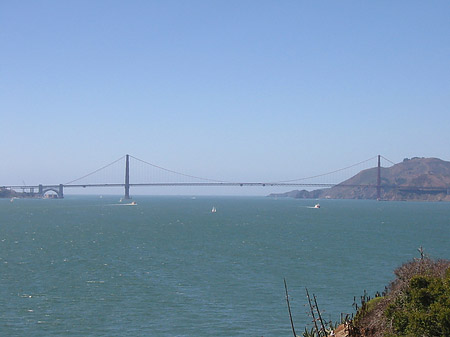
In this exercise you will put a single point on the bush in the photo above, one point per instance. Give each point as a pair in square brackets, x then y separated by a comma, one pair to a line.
[421, 306]
[416, 303]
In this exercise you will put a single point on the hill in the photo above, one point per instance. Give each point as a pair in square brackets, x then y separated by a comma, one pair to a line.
[425, 179]
[7, 193]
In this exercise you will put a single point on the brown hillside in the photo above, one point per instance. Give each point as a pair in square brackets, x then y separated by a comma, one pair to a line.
[413, 179]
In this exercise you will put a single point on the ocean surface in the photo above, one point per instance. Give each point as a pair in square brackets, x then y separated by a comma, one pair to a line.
[89, 266]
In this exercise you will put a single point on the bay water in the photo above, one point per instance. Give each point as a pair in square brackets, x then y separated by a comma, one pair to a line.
[168, 266]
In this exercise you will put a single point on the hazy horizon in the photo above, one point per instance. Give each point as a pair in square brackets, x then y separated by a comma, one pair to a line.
[240, 91]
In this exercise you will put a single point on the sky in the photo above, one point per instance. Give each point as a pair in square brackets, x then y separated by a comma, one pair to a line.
[249, 90]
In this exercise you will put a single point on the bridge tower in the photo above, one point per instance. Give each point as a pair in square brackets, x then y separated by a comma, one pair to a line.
[379, 179]
[127, 177]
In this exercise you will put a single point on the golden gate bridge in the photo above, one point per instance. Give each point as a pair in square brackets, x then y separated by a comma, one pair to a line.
[172, 178]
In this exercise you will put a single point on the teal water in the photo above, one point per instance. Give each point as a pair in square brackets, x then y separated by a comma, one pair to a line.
[85, 266]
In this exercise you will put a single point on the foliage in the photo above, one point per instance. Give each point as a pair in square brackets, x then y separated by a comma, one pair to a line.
[368, 304]
[416, 304]
[373, 303]
[423, 309]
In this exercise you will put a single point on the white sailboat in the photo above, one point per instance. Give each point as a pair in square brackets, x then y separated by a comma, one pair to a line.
[214, 210]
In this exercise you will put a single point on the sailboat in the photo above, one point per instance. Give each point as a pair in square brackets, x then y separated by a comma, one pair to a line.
[214, 210]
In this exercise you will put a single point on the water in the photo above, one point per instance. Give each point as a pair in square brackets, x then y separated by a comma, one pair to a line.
[85, 266]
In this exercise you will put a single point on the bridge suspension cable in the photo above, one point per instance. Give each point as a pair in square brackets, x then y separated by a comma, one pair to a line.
[175, 172]
[203, 179]
[324, 174]
[388, 160]
[93, 172]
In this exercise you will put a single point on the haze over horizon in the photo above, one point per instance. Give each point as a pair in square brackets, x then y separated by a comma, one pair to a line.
[253, 90]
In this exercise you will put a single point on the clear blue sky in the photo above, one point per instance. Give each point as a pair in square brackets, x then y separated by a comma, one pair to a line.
[250, 90]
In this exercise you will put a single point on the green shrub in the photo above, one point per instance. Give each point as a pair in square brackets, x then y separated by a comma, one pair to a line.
[422, 308]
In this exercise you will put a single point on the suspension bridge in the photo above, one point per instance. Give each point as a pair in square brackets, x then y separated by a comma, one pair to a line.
[100, 178]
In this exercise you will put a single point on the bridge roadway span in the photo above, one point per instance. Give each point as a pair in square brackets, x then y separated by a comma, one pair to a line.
[59, 189]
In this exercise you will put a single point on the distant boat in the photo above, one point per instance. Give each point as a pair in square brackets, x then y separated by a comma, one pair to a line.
[133, 203]
[317, 206]
[214, 210]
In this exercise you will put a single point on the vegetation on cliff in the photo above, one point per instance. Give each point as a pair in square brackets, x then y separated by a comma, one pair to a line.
[416, 303]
